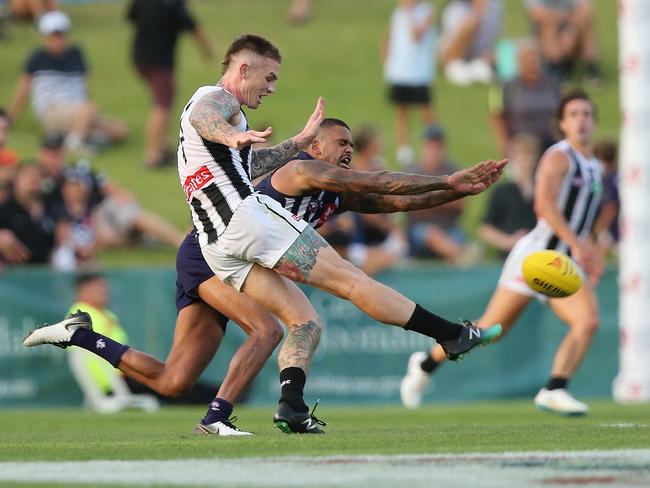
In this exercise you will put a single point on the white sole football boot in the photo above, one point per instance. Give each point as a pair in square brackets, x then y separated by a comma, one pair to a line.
[559, 401]
[60, 333]
[414, 382]
[222, 428]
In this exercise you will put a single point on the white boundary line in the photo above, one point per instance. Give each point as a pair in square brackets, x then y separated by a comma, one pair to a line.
[625, 468]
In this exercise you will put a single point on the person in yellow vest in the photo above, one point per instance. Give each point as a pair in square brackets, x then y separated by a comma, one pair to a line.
[104, 388]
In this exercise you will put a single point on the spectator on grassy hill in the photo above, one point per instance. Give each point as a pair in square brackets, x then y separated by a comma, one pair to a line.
[75, 224]
[377, 240]
[26, 225]
[30, 9]
[510, 214]
[408, 52]
[526, 104]
[103, 387]
[469, 32]
[565, 29]
[436, 232]
[606, 228]
[56, 76]
[299, 11]
[119, 218]
[158, 24]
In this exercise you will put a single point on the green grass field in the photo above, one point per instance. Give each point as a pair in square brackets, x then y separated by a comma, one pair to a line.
[58, 435]
[336, 56]
[353, 432]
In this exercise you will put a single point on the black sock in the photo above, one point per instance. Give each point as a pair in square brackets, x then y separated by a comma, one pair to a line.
[429, 364]
[557, 382]
[292, 384]
[104, 347]
[431, 325]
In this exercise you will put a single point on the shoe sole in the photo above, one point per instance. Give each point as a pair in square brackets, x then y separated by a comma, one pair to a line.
[200, 430]
[283, 426]
[31, 332]
[542, 408]
[491, 335]
[62, 346]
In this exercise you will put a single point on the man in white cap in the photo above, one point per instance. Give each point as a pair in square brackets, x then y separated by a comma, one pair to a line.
[56, 75]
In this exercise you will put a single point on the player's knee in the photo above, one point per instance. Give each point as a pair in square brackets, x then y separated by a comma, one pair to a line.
[587, 326]
[272, 335]
[592, 325]
[175, 386]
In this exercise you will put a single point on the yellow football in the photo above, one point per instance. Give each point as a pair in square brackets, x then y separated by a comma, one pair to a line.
[551, 273]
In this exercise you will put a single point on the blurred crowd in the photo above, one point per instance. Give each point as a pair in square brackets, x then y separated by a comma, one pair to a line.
[54, 208]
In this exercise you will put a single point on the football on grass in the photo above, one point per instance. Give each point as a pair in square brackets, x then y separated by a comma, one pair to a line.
[551, 273]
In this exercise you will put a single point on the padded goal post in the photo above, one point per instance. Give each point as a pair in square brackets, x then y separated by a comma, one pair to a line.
[633, 381]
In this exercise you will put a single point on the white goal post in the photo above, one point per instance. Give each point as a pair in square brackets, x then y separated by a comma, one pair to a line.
[633, 381]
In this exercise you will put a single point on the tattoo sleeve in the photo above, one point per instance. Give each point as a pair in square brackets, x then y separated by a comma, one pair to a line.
[299, 260]
[267, 159]
[326, 176]
[299, 346]
[374, 203]
[211, 115]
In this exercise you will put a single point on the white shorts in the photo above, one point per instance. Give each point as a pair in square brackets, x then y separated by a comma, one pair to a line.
[260, 231]
[512, 277]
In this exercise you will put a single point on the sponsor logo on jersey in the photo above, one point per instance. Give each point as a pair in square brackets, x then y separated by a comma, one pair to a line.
[196, 181]
[314, 207]
[327, 213]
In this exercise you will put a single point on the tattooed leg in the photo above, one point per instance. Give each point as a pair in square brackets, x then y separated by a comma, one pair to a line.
[299, 260]
[311, 260]
[299, 346]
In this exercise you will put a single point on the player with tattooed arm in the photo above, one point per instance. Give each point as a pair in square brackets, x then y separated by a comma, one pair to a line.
[250, 241]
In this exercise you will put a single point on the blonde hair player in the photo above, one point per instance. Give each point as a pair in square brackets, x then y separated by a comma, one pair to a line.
[568, 191]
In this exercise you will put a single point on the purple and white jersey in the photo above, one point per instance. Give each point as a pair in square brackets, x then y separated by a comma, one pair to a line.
[315, 208]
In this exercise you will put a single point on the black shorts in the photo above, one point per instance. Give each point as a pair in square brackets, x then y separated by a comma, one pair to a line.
[191, 271]
[409, 95]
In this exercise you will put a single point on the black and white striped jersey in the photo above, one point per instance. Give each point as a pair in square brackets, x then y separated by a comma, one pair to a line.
[315, 208]
[215, 178]
[579, 198]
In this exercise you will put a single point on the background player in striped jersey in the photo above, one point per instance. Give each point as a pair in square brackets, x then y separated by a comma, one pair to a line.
[568, 191]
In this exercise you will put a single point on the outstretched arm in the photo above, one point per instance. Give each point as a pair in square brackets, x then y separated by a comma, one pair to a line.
[314, 174]
[372, 203]
[213, 117]
[268, 159]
